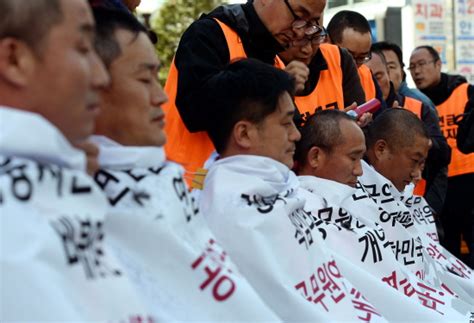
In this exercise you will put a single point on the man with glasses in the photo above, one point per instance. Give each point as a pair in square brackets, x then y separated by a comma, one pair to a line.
[350, 30]
[258, 29]
[450, 94]
[333, 81]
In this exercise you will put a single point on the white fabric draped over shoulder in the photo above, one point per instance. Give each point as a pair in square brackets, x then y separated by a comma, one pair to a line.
[253, 207]
[155, 226]
[55, 261]
[369, 249]
[441, 268]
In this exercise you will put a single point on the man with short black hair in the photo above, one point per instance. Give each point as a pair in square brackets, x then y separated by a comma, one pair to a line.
[251, 198]
[237, 128]
[351, 30]
[153, 222]
[452, 96]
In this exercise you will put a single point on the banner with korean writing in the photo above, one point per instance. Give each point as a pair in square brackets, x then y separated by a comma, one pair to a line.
[253, 207]
[56, 264]
[441, 269]
[155, 227]
[430, 17]
[464, 38]
[370, 249]
[53, 251]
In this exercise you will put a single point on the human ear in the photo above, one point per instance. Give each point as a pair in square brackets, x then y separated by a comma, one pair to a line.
[315, 157]
[16, 61]
[380, 149]
[243, 134]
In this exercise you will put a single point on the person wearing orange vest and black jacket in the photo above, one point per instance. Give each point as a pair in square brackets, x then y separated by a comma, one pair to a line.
[449, 93]
[439, 156]
[258, 29]
[333, 81]
[350, 30]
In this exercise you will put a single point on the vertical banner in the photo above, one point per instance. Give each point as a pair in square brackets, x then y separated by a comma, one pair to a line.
[464, 35]
[430, 25]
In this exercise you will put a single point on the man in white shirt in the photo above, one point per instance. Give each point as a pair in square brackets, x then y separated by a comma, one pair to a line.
[154, 224]
[251, 199]
[279, 235]
[53, 254]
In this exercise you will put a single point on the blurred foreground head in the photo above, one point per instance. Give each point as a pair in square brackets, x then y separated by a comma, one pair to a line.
[48, 64]
[131, 112]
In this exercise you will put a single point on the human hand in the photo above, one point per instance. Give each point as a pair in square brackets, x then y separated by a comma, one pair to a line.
[364, 119]
[300, 73]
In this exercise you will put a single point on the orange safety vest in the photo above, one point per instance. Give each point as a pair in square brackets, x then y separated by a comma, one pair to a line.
[328, 93]
[415, 106]
[367, 82]
[454, 105]
[192, 149]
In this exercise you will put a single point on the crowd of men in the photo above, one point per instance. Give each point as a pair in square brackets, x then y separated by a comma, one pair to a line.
[242, 191]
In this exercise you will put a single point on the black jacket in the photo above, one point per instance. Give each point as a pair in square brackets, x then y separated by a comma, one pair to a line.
[443, 90]
[465, 136]
[203, 52]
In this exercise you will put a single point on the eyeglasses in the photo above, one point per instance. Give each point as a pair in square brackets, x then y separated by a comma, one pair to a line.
[310, 28]
[317, 38]
[361, 60]
[421, 65]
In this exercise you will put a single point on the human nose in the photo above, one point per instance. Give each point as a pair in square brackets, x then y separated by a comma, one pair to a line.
[158, 96]
[358, 169]
[416, 68]
[299, 33]
[295, 134]
[100, 78]
[416, 173]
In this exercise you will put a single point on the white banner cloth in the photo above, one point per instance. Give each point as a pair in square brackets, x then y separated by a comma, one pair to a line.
[253, 207]
[371, 251]
[164, 242]
[421, 212]
[440, 268]
[55, 263]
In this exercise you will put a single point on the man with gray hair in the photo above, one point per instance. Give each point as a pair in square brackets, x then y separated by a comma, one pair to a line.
[53, 253]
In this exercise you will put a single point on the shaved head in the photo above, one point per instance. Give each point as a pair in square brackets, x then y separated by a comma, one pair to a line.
[397, 127]
[397, 146]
